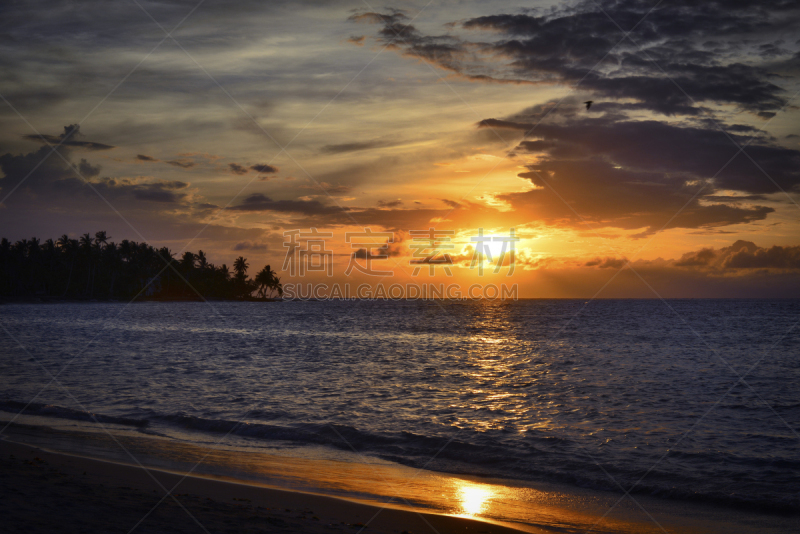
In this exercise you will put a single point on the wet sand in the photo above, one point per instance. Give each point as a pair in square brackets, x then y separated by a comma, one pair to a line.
[43, 491]
[46, 492]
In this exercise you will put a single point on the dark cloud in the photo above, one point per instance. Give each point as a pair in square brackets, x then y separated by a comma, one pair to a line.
[330, 189]
[29, 172]
[264, 168]
[444, 50]
[142, 157]
[773, 258]
[403, 220]
[354, 147]
[696, 259]
[261, 202]
[35, 178]
[390, 203]
[308, 213]
[338, 189]
[385, 251]
[607, 263]
[736, 198]
[69, 138]
[770, 50]
[394, 26]
[237, 169]
[183, 163]
[610, 170]
[595, 192]
[679, 53]
[677, 149]
[166, 192]
[88, 170]
[742, 255]
[357, 40]
[250, 245]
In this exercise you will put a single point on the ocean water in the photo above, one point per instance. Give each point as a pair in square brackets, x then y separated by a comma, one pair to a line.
[687, 400]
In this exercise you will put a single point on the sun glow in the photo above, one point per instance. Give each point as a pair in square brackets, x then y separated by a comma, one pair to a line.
[500, 246]
[474, 498]
[494, 248]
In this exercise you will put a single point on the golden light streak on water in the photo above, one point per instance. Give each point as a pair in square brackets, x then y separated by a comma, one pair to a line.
[474, 498]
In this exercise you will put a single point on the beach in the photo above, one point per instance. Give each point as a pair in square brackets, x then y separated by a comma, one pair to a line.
[48, 492]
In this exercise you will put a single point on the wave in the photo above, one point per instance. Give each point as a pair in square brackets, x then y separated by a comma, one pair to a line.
[543, 458]
[61, 412]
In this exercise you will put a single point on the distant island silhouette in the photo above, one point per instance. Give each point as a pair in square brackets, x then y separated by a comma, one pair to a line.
[95, 268]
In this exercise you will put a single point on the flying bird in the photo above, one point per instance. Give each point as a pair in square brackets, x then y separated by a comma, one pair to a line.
[588, 103]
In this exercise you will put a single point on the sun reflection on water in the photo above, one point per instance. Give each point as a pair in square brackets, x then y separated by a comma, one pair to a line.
[474, 498]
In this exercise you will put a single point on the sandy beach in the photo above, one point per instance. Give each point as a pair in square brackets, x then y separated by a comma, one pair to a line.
[47, 492]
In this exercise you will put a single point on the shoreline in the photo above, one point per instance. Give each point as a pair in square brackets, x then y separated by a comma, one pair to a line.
[75, 494]
[106, 494]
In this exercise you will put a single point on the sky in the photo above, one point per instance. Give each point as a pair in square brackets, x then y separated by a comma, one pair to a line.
[230, 127]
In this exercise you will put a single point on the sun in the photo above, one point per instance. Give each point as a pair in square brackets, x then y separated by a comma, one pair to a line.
[495, 247]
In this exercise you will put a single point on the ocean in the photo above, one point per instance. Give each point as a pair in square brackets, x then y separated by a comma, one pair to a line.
[692, 401]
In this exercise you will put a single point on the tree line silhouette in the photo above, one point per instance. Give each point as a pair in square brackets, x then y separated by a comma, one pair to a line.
[93, 267]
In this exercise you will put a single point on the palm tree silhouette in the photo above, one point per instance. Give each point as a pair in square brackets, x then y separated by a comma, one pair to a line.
[266, 279]
[94, 266]
[242, 288]
[202, 261]
[240, 266]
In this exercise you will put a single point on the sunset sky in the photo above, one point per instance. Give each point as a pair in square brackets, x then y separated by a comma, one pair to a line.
[252, 119]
